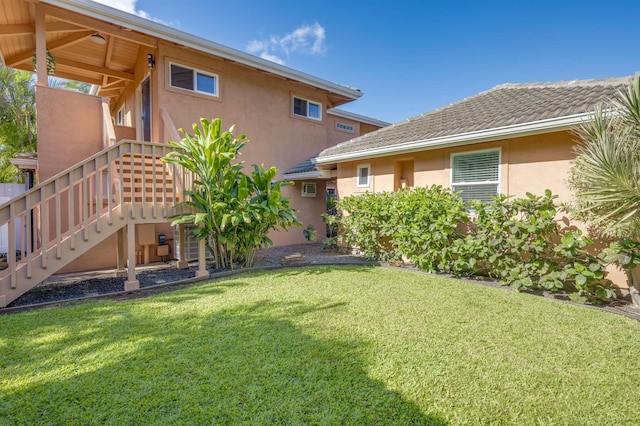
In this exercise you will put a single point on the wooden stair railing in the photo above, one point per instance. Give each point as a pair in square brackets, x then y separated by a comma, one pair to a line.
[70, 213]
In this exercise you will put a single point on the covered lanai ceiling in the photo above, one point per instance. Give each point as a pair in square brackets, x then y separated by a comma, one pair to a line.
[69, 39]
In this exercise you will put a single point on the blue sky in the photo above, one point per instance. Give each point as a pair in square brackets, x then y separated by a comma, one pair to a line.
[409, 57]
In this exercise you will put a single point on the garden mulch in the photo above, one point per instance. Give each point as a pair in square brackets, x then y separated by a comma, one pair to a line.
[157, 277]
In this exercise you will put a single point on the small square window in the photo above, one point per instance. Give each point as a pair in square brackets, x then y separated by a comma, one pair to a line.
[363, 174]
[306, 108]
[300, 107]
[181, 77]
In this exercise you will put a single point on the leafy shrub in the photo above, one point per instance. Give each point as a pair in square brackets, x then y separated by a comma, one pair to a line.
[517, 241]
[364, 224]
[424, 224]
[520, 242]
[310, 233]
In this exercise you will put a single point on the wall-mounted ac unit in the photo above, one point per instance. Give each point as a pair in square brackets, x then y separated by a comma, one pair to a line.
[309, 189]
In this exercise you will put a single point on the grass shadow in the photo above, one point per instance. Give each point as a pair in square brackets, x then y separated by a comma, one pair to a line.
[250, 364]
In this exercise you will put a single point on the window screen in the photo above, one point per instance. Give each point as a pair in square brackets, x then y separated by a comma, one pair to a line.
[363, 176]
[181, 77]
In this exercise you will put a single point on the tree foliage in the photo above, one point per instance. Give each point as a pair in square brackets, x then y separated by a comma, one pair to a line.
[17, 119]
[606, 177]
[606, 172]
[232, 211]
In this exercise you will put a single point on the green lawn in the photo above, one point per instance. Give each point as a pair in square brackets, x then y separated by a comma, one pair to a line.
[353, 345]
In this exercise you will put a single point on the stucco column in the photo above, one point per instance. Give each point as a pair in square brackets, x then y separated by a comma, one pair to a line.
[131, 283]
[120, 268]
[202, 260]
[182, 262]
[41, 48]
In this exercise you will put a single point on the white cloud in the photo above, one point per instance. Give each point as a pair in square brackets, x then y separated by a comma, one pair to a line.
[307, 39]
[272, 58]
[129, 6]
[125, 5]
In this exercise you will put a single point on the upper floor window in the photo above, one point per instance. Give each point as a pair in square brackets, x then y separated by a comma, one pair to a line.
[307, 108]
[345, 127]
[192, 79]
[476, 174]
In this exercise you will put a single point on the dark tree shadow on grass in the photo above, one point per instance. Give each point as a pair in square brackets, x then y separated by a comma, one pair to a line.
[248, 365]
[322, 269]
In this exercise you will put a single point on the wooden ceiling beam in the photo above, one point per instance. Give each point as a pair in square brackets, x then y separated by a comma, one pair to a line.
[100, 26]
[114, 83]
[107, 58]
[100, 70]
[63, 74]
[15, 30]
[63, 42]
[110, 92]
[29, 29]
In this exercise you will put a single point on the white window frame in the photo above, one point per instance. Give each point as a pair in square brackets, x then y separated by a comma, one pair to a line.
[360, 167]
[309, 102]
[195, 72]
[478, 183]
[306, 193]
[120, 116]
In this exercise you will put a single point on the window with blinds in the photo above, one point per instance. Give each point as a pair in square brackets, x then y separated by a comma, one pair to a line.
[476, 175]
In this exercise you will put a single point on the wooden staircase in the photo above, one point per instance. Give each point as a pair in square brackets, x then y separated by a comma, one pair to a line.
[72, 212]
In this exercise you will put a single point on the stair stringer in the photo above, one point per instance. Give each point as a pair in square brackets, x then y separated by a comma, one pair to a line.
[29, 272]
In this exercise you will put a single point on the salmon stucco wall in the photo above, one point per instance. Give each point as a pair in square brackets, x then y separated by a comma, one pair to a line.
[64, 137]
[260, 106]
[336, 134]
[527, 164]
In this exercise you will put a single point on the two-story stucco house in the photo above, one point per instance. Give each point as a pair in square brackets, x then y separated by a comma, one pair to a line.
[103, 195]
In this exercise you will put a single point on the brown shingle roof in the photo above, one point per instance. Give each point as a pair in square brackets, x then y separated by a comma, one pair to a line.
[504, 105]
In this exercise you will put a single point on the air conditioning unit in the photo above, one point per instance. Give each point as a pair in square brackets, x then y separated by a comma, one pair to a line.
[191, 245]
[309, 189]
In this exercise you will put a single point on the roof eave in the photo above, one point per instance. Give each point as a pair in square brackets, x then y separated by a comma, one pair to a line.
[516, 130]
[137, 23]
[357, 117]
[316, 174]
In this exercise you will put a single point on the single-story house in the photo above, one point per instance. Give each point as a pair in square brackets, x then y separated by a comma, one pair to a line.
[511, 139]
[103, 195]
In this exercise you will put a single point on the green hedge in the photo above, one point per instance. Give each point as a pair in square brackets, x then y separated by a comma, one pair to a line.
[517, 241]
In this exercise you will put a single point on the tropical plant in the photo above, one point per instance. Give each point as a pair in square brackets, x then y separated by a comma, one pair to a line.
[606, 173]
[232, 211]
